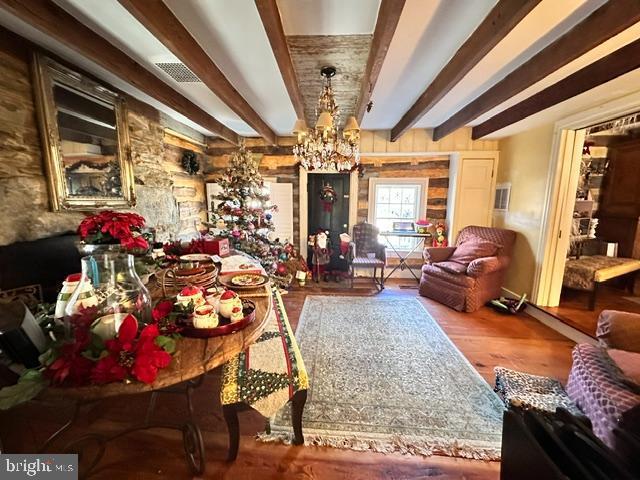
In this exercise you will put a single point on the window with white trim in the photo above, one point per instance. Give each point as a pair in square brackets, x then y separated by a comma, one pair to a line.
[397, 200]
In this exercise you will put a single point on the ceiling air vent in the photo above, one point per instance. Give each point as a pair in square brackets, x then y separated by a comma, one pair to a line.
[179, 72]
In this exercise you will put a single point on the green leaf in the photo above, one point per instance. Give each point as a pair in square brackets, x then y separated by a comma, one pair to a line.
[168, 344]
[28, 387]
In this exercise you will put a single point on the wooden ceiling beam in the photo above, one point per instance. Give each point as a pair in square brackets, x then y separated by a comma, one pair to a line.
[608, 20]
[623, 60]
[270, 16]
[496, 25]
[388, 18]
[58, 24]
[163, 24]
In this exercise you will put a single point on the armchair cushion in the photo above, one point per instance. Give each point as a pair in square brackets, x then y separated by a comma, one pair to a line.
[629, 365]
[437, 254]
[486, 265]
[619, 330]
[452, 267]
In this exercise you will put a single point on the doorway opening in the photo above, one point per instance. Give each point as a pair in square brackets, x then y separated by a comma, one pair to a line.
[600, 260]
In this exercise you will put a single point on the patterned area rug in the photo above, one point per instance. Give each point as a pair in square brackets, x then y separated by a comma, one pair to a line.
[384, 377]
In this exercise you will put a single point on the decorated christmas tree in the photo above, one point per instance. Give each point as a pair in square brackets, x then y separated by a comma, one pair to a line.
[244, 213]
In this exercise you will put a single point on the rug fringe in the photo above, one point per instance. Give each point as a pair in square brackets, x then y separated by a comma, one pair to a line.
[395, 444]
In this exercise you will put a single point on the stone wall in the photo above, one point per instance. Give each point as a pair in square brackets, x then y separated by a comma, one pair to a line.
[170, 200]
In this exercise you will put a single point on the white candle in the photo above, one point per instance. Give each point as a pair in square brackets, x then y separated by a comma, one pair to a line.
[107, 327]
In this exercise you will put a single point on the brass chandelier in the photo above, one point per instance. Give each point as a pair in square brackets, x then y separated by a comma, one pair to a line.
[327, 146]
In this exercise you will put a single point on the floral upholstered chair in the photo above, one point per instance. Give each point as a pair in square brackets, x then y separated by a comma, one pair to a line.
[367, 252]
[471, 273]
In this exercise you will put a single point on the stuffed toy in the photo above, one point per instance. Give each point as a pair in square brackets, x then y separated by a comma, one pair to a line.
[440, 238]
[345, 241]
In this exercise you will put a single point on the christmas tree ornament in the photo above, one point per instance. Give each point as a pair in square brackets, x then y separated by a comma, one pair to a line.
[221, 224]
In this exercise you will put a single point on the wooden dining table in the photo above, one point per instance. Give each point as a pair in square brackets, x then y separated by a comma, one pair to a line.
[193, 358]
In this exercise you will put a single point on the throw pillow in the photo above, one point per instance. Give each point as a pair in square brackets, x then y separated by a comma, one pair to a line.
[472, 248]
[619, 330]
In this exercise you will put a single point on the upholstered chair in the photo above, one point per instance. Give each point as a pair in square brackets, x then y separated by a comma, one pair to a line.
[467, 287]
[367, 252]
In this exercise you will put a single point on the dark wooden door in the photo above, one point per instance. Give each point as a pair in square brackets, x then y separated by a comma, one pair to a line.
[619, 209]
[334, 219]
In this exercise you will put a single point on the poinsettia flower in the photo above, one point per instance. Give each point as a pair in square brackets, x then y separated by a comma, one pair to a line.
[108, 370]
[140, 357]
[134, 242]
[162, 309]
[71, 368]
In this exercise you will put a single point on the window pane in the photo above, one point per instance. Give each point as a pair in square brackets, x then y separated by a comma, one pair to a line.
[409, 195]
[396, 195]
[408, 212]
[383, 210]
[382, 194]
[395, 210]
[384, 225]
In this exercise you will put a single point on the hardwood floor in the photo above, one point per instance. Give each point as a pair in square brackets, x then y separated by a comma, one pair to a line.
[574, 311]
[486, 338]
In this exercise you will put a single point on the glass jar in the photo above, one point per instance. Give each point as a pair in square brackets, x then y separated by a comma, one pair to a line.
[117, 291]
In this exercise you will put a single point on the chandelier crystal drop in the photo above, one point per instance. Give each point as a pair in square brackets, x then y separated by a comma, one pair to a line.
[327, 146]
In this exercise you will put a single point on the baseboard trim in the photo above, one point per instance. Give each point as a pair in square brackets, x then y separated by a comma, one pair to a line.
[552, 322]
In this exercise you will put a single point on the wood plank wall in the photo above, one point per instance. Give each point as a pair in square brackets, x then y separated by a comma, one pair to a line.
[435, 168]
[413, 155]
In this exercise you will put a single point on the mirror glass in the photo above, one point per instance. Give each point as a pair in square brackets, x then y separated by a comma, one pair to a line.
[88, 143]
[85, 134]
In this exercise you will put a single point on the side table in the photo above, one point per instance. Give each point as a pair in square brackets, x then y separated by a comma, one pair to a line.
[403, 256]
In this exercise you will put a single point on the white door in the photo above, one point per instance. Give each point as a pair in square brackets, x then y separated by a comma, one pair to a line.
[475, 190]
[281, 195]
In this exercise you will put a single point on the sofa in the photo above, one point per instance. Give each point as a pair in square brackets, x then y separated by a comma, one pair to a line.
[466, 282]
[604, 380]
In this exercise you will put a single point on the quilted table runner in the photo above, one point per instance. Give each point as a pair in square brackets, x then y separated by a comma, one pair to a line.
[267, 374]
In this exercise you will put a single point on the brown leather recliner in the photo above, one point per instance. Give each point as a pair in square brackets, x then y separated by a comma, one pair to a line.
[483, 278]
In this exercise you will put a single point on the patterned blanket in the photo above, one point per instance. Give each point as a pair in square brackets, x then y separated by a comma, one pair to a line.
[267, 374]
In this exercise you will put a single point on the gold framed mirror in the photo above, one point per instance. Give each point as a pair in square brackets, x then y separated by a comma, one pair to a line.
[85, 138]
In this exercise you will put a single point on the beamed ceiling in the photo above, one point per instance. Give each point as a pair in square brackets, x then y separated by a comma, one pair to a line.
[500, 66]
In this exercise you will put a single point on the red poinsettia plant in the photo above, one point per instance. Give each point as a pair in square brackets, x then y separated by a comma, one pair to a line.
[138, 352]
[109, 227]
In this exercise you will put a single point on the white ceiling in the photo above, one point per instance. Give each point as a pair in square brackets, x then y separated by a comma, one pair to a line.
[328, 17]
[428, 34]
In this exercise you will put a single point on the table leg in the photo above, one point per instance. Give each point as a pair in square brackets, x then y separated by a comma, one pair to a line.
[593, 296]
[403, 260]
[192, 437]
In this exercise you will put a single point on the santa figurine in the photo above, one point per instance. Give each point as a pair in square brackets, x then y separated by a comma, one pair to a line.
[228, 301]
[440, 237]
